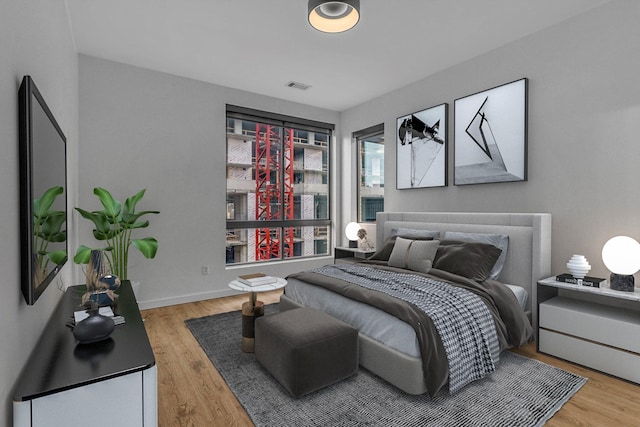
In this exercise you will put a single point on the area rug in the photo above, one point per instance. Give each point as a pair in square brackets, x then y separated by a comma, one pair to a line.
[521, 392]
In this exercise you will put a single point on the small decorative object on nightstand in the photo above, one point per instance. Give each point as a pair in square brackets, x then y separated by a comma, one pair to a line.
[363, 240]
[578, 266]
[621, 255]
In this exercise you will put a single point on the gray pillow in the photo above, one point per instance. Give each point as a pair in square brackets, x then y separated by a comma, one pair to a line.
[414, 233]
[500, 241]
[468, 259]
[383, 253]
[416, 255]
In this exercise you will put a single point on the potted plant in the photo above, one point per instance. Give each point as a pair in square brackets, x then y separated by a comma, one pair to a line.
[115, 225]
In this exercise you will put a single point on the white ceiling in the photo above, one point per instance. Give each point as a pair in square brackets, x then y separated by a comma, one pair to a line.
[260, 45]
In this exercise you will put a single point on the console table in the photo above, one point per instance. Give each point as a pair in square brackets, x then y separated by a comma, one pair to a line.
[110, 383]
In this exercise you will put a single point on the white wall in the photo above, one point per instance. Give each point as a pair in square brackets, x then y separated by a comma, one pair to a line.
[35, 39]
[144, 129]
[584, 144]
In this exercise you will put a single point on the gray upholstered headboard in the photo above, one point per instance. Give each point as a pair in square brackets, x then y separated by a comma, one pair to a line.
[528, 257]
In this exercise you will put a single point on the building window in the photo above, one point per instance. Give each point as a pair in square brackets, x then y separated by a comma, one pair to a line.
[277, 187]
[370, 143]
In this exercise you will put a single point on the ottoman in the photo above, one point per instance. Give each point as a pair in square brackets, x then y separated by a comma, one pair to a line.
[306, 349]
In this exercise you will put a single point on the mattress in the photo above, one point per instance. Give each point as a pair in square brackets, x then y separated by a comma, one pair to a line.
[369, 320]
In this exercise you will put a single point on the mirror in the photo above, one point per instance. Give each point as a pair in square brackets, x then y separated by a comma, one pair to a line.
[43, 192]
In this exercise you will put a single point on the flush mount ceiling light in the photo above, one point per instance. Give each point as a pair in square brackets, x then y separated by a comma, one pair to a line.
[334, 16]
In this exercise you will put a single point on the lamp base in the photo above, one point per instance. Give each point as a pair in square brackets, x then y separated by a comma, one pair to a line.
[622, 282]
[353, 243]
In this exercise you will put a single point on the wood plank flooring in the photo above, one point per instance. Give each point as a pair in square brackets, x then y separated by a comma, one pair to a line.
[191, 393]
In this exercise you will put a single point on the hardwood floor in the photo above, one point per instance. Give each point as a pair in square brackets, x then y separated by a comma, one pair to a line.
[192, 393]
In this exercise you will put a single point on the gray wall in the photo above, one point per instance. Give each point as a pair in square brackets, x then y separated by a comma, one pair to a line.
[35, 39]
[144, 129]
[584, 145]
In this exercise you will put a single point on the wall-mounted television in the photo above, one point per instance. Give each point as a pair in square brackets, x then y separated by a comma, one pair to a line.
[43, 192]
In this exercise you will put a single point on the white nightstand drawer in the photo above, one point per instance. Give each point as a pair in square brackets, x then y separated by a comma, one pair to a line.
[602, 358]
[608, 325]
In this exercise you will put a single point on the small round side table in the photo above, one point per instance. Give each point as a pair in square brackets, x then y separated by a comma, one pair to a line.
[253, 309]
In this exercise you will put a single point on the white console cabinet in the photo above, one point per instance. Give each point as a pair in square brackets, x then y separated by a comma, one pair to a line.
[594, 327]
[105, 384]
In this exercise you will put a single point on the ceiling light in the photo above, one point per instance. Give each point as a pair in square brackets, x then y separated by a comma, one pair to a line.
[334, 16]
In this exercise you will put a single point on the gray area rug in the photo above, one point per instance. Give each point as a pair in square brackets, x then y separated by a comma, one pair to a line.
[522, 391]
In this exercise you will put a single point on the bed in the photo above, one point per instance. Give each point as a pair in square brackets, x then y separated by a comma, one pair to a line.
[389, 347]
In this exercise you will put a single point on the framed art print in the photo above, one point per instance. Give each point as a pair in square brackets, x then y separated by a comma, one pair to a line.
[491, 135]
[421, 149]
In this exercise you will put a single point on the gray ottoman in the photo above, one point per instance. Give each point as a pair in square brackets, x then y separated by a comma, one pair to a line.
[306, 349]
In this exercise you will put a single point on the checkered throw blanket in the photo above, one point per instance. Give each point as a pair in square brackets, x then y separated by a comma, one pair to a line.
[463, 321]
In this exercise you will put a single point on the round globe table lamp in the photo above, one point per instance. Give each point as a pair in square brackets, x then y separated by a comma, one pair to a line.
[621, 255]
[351, 231]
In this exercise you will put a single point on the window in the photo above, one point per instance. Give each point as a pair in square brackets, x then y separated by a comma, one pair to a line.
[277, 187]
[370, 144]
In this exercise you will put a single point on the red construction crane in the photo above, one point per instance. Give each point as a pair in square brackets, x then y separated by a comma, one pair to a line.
[269, 192]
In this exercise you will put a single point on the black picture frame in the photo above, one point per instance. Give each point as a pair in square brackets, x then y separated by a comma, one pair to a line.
[491, 135]
[422, 148]
[42, 156]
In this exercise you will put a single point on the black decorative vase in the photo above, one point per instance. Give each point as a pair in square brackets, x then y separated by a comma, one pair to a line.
[94, 328]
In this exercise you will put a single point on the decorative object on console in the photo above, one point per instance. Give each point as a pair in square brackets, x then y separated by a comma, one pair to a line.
[114, 225]
[421, 159]
[101, 284]
[94, 328]
[331, 16]
[491, 135]
[621, 255]
[578, 266]
[351, 231]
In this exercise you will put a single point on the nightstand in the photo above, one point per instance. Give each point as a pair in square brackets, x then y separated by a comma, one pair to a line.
[344, 255]
[594, 327]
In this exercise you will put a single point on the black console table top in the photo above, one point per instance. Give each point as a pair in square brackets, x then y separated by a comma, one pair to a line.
[59, 363]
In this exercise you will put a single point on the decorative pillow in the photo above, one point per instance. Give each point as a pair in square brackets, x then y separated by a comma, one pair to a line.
[415, 234]
[473, 260]
[384, 253]
[416, 255]
[500, 241]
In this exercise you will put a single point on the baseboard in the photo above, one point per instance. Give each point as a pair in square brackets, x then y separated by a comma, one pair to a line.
[183, 299]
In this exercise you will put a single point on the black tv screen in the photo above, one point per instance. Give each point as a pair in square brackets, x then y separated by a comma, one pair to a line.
[43, 192]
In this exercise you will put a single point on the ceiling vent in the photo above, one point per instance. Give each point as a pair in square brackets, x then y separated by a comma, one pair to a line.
[298, 85]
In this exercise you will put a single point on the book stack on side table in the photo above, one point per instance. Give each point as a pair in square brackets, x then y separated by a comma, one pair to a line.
[594, 282]
[257, 279]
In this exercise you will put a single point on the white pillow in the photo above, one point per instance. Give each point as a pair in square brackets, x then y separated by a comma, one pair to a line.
[416, 255]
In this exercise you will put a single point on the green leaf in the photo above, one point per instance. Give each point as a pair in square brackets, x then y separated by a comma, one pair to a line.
[57, 257]
[42, 205]
[52, 224]
[111, 206]
[83, 254]
[131, 202]
[99, 219]
[148, 246]
[129, 219]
